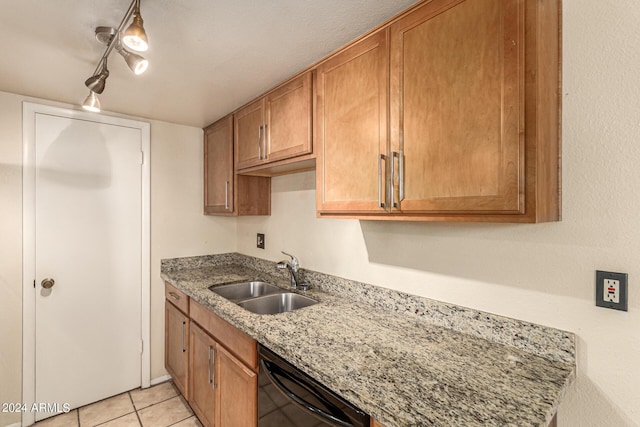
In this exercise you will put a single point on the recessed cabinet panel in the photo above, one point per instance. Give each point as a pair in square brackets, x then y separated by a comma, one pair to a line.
[218, 171]
[176, 351]
[351, 128]
[457, 110]
[249, 135]
[238, 392]
[288, 120]
[203, 393]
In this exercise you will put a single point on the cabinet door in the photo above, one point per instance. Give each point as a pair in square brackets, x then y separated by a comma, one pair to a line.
[351, 128]
[203, 379]
[457, 107]
[238, 392]
[249, 135]
[176, 346]
[218, 167]
[288, 120]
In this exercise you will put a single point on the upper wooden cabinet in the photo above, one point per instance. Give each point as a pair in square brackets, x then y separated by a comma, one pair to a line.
[473, 95]
[351, 131]
[457, 110]
[226, 193]
[276, 127]
[351, 128]
[249, 141]
[218, 167]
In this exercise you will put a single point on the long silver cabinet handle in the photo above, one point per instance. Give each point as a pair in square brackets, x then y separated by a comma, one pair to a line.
[259, 142]
[393, 176]
[264, 139]
[381, 157]
[401, 173]
[174, 296]
[212, 366]
[226, 195]
[209, 366]
[184, 328]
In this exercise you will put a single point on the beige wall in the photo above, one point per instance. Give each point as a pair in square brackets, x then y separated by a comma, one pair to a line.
[540, 273]
[177, 229]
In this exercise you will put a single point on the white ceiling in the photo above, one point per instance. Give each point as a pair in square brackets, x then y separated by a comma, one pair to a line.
[207, 57]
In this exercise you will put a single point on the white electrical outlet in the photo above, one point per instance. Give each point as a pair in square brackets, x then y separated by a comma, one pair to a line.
[611, 290]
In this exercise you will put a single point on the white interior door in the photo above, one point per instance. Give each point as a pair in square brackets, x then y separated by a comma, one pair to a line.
[88, 201]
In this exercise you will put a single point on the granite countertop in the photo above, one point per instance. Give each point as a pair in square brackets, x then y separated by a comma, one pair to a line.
[404, 366]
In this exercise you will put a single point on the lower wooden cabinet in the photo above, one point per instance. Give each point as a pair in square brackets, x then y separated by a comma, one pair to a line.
[176, 350]
[202, 388]
[223, 391]
[237, 386]
[213, 364]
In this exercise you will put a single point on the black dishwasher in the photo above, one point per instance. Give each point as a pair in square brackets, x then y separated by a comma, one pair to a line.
[287, 397]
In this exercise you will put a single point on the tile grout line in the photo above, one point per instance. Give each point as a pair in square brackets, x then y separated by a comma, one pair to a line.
[184, 419]
[135, 409]
[184, 401]
[113, 419]
[157, 403]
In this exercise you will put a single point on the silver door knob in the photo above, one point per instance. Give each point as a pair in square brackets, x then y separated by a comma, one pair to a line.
[48, 283]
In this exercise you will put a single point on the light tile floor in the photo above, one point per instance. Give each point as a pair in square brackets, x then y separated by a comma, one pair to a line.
[157, 406]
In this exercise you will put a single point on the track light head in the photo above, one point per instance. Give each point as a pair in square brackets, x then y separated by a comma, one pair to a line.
[92, 103]
[136, 62]
[97, 82]
[135, 36]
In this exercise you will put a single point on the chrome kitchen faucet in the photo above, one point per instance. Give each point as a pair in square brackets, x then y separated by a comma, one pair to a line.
[293, 267]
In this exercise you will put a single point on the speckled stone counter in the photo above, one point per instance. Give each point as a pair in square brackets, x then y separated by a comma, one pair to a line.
[406, 360]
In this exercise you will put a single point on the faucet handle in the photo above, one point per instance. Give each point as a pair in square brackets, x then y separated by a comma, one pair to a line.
[304, 286]
[294, 261]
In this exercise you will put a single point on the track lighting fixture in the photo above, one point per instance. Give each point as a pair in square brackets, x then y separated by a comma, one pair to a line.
[134, 37]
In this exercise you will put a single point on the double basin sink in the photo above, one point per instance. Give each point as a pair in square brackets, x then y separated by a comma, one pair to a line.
[261, 297]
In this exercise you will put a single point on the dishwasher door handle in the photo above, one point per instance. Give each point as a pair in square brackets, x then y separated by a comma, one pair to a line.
[270, 369]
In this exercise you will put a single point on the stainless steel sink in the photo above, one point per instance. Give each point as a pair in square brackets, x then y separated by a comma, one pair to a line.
[277, 303]
[244, 290]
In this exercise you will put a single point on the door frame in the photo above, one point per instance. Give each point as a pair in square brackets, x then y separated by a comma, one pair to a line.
[29, 111]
